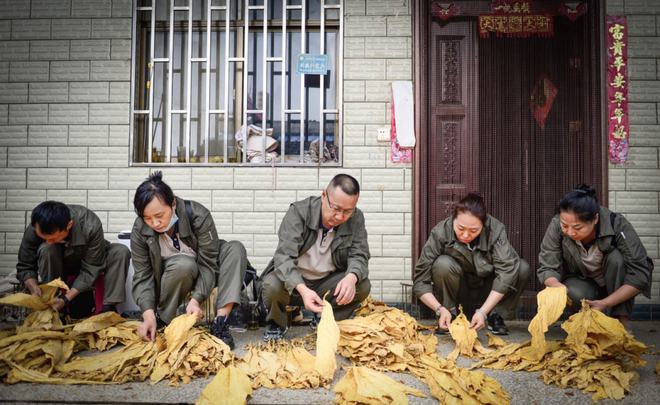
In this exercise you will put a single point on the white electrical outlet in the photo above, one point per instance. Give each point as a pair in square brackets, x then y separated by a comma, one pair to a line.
[383, 134]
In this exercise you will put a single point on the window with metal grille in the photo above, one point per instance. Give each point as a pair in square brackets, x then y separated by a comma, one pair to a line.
[216, 82]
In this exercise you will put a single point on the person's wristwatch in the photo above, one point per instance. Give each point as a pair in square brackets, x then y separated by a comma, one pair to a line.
[64, 298]
[437, 311]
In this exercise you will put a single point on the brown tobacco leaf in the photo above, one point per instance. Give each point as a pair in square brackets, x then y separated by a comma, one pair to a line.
[230, 386]
[362, 385]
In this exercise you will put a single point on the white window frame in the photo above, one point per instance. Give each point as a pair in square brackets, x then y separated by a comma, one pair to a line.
[285, 110]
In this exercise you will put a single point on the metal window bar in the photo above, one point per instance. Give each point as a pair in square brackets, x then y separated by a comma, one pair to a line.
[286, 110]
[189, 82]
[264, 77]
[303, 98]
[152, 41]
[322, 87]
[283, 85]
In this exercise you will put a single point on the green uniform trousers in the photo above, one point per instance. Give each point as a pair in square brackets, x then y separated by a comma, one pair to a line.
[580, 287]
[56, 261]
[457, 283]
[180, 274]
[276, 297]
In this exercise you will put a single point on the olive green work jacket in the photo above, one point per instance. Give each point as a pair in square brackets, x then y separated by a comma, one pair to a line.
[492, 254]
[85, 239]
[298, 233]
[560, 255]
[201, 236]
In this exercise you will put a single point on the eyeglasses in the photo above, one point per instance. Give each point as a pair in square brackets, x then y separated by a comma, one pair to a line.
[337, 210]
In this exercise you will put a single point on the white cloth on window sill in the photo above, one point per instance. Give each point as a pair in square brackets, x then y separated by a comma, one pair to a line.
[255, 144]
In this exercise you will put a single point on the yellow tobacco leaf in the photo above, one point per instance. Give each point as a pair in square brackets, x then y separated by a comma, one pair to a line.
[230, 386]
[593, 335]
[362, 385]
[326, 343]
[657, 367]
[47, 319]
[551, 303]
[98, 322]
[465, 337]
[495, 341]
[455, 385]
[24, 300]
[48, 292]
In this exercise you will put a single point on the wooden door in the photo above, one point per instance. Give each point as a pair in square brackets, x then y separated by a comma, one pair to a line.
[453, 150]
[478, 132]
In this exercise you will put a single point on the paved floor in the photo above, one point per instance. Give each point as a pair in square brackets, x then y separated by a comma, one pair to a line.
[524, 387]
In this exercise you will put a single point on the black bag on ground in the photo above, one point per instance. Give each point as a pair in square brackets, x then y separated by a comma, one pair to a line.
[252, 308]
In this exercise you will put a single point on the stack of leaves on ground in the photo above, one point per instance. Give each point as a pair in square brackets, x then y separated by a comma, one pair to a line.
[598, 355]
[42, 348]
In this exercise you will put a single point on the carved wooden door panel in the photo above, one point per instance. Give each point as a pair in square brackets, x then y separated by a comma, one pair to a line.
[453, 123]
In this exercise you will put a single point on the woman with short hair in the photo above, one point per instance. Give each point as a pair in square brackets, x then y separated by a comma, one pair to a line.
[596, 254]
[176, 252]
[469, 261]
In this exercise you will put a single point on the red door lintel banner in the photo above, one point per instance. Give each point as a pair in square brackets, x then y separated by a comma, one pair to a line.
[514, 18]
[618, 125]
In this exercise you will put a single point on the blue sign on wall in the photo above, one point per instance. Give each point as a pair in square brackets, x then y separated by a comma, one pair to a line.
[310, 64]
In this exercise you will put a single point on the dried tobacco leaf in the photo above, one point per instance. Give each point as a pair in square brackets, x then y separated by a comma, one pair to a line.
[465, 337]
[230, 386]
[326, 343]
[362, 385]
[551, 303]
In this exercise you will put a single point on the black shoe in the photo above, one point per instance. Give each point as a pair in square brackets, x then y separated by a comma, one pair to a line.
[496, 324]
[297, 316]
[220, 329]
[274, 332]
[314, 323]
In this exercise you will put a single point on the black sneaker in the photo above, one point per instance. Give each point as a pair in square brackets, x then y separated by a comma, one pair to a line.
[274, 332]
[496, 324]
[220, 329]
[314, 323]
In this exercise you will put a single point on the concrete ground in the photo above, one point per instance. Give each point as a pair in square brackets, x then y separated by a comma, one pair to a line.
[524, 387]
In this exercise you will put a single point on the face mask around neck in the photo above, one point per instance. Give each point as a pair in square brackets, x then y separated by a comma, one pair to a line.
[172, 220]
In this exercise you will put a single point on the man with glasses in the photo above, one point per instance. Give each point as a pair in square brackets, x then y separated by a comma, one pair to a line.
[322, 248]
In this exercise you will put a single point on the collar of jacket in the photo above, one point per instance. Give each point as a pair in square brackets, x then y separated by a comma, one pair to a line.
[184, 224]
[77, 233]
[483, 236]
[314, 223]
[606, 227]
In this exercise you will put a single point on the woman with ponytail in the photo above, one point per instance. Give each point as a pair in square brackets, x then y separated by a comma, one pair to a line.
[468, 260]
[177, 254]
[596, 254]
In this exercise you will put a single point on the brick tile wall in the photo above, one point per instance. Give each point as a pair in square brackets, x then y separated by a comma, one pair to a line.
[635, 185]
[64, 133]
